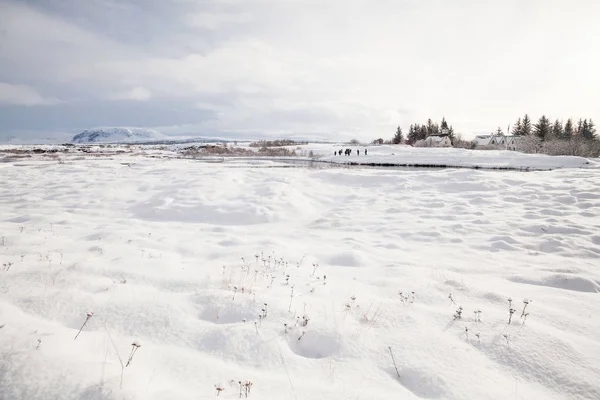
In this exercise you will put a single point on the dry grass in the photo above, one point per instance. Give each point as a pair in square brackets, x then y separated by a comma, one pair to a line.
[229, 151]
[276, 143]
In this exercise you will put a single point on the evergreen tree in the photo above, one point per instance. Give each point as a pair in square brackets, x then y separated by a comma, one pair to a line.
[444, 124]
[526, 126]
[588, 130]
[430, 129]
[499, 132]
[542, 129]
[423, 132]
[451, 134]
[413, 134]
[557, 130]
[518, 128]
[579, 129]
[592, 130]
[569, 130]
[398, 137]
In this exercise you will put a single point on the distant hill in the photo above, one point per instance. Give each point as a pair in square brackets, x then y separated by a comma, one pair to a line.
[117, 135]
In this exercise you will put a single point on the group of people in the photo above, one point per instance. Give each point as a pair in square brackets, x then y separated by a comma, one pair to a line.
[348, 152]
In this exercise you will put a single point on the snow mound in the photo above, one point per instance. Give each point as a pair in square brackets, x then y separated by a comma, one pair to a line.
[314, 345]
[562, 281]
[117, 135]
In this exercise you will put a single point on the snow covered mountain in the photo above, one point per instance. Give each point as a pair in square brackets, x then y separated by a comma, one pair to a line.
[117, 135]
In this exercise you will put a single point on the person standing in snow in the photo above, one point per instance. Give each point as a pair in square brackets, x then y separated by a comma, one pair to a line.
[365, 152]
[357, 152]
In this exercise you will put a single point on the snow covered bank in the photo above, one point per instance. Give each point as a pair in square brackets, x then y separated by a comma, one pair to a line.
[299, 280]
[447, 157]
[395, 155]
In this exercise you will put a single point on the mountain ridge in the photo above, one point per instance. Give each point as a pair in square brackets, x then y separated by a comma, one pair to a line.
[117, 135]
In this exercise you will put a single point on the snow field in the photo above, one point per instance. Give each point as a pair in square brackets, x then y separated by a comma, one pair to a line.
[450, 157]
[155, 251]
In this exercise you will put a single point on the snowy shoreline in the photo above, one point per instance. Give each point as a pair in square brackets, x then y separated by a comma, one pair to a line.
[385, 156]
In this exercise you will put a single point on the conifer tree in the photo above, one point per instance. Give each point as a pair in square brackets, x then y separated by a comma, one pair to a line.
[579, 129]
[526, 126]
[423, 132]
[444, 124]
[398, 137]
[429, 127]
[451, 134]
[569, 130]
[557, 130]
[592, 129]
[588, 131]
[542, 129]
[518, 128]
[413, 134]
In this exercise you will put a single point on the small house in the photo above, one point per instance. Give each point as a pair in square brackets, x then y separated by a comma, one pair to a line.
[435, 141]
[510, 142]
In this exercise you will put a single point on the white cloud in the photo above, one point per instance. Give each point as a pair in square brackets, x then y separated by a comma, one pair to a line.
[313, 66]
[22, 95]
[216, 20]
[137, 94]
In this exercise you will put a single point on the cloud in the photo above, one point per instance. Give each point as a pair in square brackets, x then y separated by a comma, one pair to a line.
[298, 66]
[214, 20]
[137, 94]
[22, 95]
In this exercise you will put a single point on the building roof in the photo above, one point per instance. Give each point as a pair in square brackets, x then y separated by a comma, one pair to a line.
[487, 140]
[483, 140]
[436, 138]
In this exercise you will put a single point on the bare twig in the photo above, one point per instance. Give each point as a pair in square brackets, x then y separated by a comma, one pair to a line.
[525, 304]
[89, 315]
[394, 361]
[291, 299]
[451, 299]
[116, 351]
[134, 347]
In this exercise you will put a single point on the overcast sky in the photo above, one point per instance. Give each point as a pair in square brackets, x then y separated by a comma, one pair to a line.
[315, 68]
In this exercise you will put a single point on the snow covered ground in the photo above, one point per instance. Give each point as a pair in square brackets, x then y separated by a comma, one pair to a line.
[385, 155]
[181, 257]
[460, 158]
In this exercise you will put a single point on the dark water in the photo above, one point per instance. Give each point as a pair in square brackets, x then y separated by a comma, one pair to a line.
[302, 163]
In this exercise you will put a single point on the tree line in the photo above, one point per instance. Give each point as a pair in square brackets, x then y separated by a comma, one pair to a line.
[543, 136]
[421, 132]
[545, 130]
